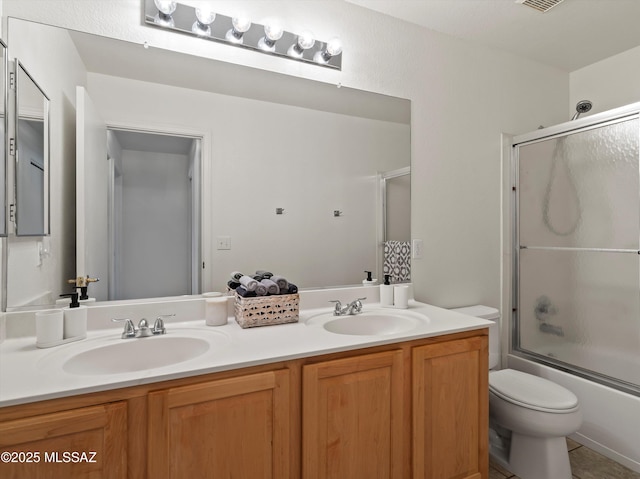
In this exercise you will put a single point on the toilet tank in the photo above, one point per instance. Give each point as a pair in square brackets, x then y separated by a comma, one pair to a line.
[490, 314]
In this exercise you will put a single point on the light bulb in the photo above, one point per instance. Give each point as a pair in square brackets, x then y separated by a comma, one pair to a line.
[166, 7]
[272, 33]
[334, 47]
[304, 41]
[240, 25]
[205, 16]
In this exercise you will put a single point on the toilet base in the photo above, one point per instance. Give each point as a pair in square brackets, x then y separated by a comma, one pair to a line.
[539, 458]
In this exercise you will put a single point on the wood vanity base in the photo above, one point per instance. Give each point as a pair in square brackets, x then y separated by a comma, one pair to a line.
[415, 409]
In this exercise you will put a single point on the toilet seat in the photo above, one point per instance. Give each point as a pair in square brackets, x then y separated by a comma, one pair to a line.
[532, 392]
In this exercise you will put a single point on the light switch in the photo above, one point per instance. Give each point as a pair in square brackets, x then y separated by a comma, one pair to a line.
[223, 242]
[417, 248]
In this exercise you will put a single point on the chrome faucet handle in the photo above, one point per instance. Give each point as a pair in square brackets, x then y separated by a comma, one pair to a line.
[129, 328]
[337, 311]
[355, 307]
[158, 326]
[143, 329]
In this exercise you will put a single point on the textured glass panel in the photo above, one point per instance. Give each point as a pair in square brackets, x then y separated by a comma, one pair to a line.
[582, 308]
[581, 190]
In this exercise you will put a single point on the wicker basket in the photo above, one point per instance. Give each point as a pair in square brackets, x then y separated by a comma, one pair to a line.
[267, 310]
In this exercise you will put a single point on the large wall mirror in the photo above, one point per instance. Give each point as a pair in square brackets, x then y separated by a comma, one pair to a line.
[32, 155]
[3, 136]
[280, 173]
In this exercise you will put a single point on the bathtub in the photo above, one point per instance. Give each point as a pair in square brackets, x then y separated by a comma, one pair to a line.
[611, 418]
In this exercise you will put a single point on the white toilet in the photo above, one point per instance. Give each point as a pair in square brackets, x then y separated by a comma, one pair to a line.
[529, 416]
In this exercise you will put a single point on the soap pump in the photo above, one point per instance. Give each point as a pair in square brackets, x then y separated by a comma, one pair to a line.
[386, 292]
[368, 281]
[75, 318]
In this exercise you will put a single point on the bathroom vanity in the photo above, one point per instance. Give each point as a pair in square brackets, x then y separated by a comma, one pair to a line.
[394, 405]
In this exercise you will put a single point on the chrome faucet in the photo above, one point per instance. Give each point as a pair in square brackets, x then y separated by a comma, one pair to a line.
[354, 307]
[158, 326]
[143, 330]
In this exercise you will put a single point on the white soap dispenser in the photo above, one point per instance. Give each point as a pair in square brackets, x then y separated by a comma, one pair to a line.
[369, 281]
[75, 319]
[386, 292]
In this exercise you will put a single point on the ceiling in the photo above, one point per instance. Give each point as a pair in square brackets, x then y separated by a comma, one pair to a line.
[571, 35]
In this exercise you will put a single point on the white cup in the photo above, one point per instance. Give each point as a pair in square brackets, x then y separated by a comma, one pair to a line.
[216, 311]
[401, 296]
[49, 326]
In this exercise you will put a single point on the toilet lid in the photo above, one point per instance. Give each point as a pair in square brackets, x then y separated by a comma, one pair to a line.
[531, 391]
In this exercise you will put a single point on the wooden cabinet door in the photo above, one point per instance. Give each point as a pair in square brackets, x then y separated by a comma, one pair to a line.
[89, 442]
[352, 417]
[450, 410]
[229, 428]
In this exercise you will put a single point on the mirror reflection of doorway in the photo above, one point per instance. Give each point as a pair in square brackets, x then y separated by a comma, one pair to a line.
[395, 189]
[154, 211]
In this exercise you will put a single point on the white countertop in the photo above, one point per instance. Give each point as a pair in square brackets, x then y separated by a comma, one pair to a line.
[29, 374]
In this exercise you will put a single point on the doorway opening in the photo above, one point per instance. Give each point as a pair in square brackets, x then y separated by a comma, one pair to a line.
[395, 208]
[153, 214]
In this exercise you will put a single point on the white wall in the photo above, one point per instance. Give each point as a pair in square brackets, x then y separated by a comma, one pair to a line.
[463, 97]
[58, 76]
[610, 83]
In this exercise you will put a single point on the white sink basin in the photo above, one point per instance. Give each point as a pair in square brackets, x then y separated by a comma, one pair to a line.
[131, 355]
[370, 323]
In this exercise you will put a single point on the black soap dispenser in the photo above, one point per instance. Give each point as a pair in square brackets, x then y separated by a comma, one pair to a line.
[386, 292]
[369, 281]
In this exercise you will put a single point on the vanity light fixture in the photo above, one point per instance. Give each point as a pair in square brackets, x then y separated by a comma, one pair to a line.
[239, 31]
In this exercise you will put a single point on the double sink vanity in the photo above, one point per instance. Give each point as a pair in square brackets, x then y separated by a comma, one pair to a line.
[382, 393]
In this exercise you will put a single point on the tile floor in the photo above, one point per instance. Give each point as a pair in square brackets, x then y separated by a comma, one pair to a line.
[585, 464]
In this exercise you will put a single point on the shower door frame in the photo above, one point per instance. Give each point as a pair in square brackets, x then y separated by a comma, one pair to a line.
[617, 115]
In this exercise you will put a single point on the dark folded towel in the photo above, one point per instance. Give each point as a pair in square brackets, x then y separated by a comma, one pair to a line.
[236, 275]
[244, 293]
[293, 289]
[264, 274]
[232, 284]
[258, 277]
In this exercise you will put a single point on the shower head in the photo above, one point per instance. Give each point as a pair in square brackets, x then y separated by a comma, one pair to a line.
[582, 107]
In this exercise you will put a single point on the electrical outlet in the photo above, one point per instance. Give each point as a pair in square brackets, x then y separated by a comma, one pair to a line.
[223, 242]
[417, 248]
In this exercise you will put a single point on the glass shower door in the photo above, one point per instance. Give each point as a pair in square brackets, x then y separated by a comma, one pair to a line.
[578, 239]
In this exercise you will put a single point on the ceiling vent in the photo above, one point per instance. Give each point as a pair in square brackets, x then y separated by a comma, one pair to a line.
[540, 5]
